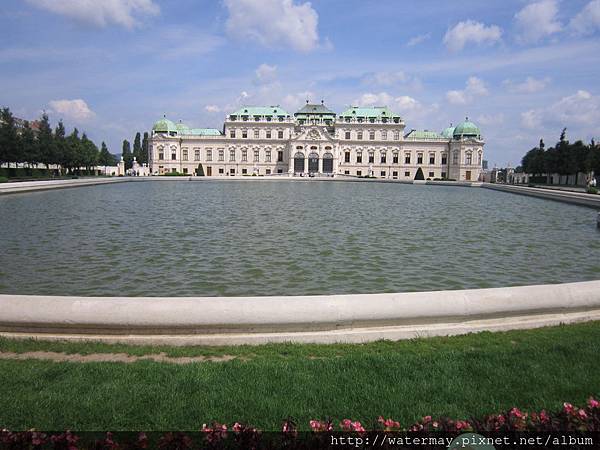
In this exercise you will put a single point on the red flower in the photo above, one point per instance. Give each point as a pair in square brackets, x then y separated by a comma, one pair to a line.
[568, 408]
[593, 403]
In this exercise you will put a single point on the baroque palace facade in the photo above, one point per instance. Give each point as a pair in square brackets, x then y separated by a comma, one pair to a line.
[267, 140]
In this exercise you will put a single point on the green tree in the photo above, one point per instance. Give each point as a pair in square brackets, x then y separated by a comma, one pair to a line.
[9, 140]
[61, 154]
[144, 149]
[45, 141]
[106, 158]
[127, 155]
[137, 147]
[29, 145]
[89, 153]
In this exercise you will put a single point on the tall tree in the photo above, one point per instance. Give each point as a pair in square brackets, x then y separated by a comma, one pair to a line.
[127, 155]
[106, 158]
[89, 153]
[145, 149]
[29, 145]
[8, 137]
[137, 147]
[61, 154]
[45, 141]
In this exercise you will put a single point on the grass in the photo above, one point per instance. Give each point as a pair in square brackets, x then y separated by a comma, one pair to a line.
[460, 377]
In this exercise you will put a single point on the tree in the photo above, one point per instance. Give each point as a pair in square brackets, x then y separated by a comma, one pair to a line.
[60, 154]
[45, 142]
[137, 148]
[8, 137]
[127, 155]
[89, 153]
[29, 145]
[144, 149]
[106, 158]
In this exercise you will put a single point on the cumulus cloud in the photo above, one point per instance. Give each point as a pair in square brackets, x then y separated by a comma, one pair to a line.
[101, 13]
[470, 31]
[76, 109]
[587, 20]
[580, 109]
[274, 23]
[403, 104]
[295, 101]
[416, 40]
[475, 87]
[537, 20]
[491, 119]
[212, 108]
[266, 73]
[529, 86]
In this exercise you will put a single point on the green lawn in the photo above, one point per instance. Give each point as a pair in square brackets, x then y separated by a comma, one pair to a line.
[458, 377]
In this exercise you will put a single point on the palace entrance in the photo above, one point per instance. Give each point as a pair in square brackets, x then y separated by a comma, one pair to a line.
[327, 163]
[419, 175]
[299, 162]
[313, 163]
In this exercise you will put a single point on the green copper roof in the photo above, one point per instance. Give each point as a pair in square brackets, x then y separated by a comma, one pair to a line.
[260, 111]
[375, 111]
[164, 125]
[310, 108]
[466, 128]
[422, 134]
[201, 132]
[448, 132]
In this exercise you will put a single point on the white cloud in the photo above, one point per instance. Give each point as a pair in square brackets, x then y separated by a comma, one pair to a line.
[475, 87]
[580, 109]
[212, 108]
[538, 20]
[101, 12]
[293, 102]
[266, 73]
[415, 40]
[470, 31]
[529, 86]
[491, 119]
[76, 109]
[403, 104]
[587, 20]
[274, 23]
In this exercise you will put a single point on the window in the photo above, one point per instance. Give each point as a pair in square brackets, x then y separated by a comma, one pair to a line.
[347, 135]
[279, 170]
[173, 156]
[419, 158]
[432, 158]
[268, 134]
[244, 155]
[244, 171]
[359, 135]
[221, 170]
[184, 154]
[196, 154]
[383, 135]
[444, 159]
[268, 171]
[346, 172]
[256, 155]
[469, 158]
[407, 158]
[383, 158]
[395, 174]
[268, 118]
[209, 154]
[221, 155]
[396, 135]
[371, 135]
[455, 157]
[267, 155]
[443, 174]
[358, 173]
[161, 155]
[347, 157]
[280, 156]
[431, 174]
[232, 134]
[231, 155]
[280, 134]
[256, 134]
[371, 157]
[174, 170]
[407, 173]
[185, 170]
[244, 134]
[359, 157]
[382, 173]
[395, 158]
[231, 171]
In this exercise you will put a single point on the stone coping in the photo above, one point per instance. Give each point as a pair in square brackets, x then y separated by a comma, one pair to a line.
[326, 319]
[43, 185]
[577, 198]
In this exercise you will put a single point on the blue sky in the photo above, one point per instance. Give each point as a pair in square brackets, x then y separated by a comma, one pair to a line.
[520, 69]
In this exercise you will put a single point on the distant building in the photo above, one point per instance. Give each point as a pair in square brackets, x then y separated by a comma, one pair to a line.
[361, 141]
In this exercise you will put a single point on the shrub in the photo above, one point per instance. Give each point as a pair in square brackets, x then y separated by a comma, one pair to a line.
[3, 179]
[592, 190]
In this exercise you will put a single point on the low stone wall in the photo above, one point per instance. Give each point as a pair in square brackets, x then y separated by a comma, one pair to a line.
[42, 185]
[333, 318]
[576, 198]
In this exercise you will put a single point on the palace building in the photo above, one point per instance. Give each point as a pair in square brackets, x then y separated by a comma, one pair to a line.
[315, 141]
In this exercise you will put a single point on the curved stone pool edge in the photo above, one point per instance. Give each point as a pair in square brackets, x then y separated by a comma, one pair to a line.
[299, 319]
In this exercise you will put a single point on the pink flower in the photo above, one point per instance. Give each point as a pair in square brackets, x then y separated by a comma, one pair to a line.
[426, 419]
[568, 408]
[357, 426]
[544, 418]
[317, 426]
[515, 412]
[388, 424]
[237, 427]
[582, 414]
[593, 403]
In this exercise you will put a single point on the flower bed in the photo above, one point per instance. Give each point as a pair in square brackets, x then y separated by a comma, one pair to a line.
[563, 429]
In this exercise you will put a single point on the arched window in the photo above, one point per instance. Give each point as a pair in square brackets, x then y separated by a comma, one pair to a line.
[455, 157]
[299, 162]
[327, 163]
[468, 158]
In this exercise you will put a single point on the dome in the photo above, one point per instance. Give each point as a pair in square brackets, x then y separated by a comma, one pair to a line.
[448, 132]
[182, 127]
[164, 125]
[466, 129]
